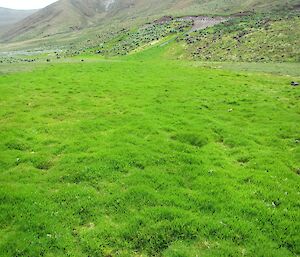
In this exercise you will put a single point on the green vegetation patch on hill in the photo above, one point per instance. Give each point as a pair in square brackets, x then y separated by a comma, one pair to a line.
[127, 41]
[254, 38]
[265, 37]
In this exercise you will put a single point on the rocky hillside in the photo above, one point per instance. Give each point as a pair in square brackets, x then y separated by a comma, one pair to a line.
[253, 38]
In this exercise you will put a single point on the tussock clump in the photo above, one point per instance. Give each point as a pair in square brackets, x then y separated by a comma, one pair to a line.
[191, 139]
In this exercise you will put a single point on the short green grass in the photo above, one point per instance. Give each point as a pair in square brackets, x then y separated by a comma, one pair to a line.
[285, 69]
[141, 157]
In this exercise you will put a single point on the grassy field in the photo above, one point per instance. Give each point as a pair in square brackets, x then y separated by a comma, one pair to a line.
[285, 69]
[139, 157]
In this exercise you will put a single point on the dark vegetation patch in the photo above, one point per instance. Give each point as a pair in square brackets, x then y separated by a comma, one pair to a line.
[193, 139]
[243, 159]
[40, 162]
[17, 145]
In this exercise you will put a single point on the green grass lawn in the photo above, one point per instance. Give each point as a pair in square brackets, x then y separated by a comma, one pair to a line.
[284, 69]
[146, 158]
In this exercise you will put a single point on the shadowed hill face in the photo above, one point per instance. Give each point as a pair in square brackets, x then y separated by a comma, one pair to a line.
[67, 16]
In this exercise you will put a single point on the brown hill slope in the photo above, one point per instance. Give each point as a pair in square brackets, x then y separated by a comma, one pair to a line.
[10, 16]
[66, 16]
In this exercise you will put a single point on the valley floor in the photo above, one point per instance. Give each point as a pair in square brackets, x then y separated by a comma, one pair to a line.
[140, 157]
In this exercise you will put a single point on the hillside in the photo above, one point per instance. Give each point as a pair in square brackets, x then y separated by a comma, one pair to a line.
[66, 16]
[10, 16]
[251, 38]
[254, 38]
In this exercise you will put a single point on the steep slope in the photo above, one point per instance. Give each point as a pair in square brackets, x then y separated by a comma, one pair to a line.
[9, 17]
[66, 16]
[62, 16]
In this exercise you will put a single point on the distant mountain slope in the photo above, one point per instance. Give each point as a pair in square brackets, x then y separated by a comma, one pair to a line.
[10, 16]
[66, 16]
